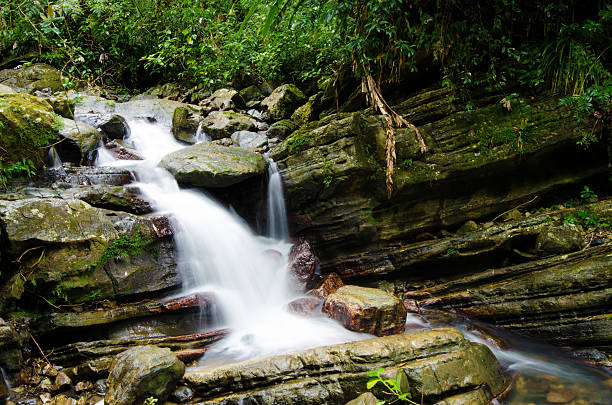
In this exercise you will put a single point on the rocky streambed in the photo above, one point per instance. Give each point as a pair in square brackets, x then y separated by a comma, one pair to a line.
[489, 224]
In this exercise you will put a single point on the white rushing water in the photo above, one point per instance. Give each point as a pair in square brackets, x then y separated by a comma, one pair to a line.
[218, 253]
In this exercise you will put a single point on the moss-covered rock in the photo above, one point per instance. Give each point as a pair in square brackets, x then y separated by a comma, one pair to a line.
[251, 94]
[282, 129]
[283, 101]
[560, 239]
[184, 125]
[209, 165]
[433, 364]
[222, 124]
[31, 78]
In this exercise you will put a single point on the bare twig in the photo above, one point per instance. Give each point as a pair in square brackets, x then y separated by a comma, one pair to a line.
[517, 207]
[41, 350]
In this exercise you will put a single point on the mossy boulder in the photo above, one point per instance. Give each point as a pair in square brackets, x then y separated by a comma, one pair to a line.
[184, 125]
[80, 142]
[283, 101]
[282, 129]
[222, 124]
[142, 372]
[251, 95]
[76, 252]
[209, 165]
[32, 78]
[560, 239]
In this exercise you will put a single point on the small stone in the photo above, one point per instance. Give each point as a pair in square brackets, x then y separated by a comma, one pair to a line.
[62, 380]
[50, 371]
[45, 384]
[560, 396]
[83, 386]
[182, 394]
[512, 215]
[469, 226]
[100, 387]
[560, 239]
[63, 400]
[364, 399]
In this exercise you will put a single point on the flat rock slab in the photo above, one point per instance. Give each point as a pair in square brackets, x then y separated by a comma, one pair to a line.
[367, 310]
[438, 364]
[209, 165]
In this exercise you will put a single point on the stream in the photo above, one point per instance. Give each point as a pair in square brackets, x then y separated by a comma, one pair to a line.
[219, 254]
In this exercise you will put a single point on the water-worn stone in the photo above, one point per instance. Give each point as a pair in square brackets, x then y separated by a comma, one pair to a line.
[282, 129]
[184, 125]
[560, 239]
[366, 398]
[367, 310]
[208, 165]
[80, 142]
[114, 126]
[225, 99]
[120, 152]
[303, 264]
[6, 89]
[250, 140]
[436, 364]
[307, 306]
[222, 124]
[283, 101]
[142, 372]
[182, 394]
[329, 285]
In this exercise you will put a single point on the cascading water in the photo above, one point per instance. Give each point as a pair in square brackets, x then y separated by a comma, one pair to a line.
[218, 253]
[277, 226]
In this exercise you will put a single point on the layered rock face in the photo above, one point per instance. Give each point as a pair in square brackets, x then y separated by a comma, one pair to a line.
[439, 363]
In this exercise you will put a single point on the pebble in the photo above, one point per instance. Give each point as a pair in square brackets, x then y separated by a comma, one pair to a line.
[100, 387]
[83, 386]
[62, 380]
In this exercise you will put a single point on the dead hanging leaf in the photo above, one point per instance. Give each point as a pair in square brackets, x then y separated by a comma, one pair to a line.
[506, 104]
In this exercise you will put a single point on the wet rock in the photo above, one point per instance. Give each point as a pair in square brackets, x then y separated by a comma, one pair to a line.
[367, 310]
[303, 263]
[223, 142]
[100, 387]
[182, 394]
[222, 124]
[249, 140]
[142, 372]
[114, 126]
[32, 78]
[208, 165]
[63, 400]
[438, 362]
[110, 176]
[309, 111]
[307, 306]
[45, 384]
[366, 398]
[4, 388]
[80, 142]
[166, 90]
[283, 101]
[282, 129]
[184, 125]
[225, 99]
[11, 343]
[560, 239]
[121, 152]
[330, 285]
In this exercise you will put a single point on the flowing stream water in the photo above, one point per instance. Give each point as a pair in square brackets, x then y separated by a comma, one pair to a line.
[218, 253]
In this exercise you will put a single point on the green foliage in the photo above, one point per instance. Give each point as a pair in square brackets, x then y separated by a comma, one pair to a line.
[587, 219]
[17, 169]
[150, 401]
[393, 387]
[123, 247]
[587, 193]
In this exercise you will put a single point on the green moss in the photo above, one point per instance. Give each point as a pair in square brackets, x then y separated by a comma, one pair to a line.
[300, 141]
[124, 247]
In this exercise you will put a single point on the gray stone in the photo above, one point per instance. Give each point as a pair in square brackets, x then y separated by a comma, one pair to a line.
[32, 78]
[141, 372]
[283, 101]
[225, 99]
[81, 142]
[222, 124]
[282, 129]
[113, 125]
[366, 398]
[560, 239]
[182, 394]
[209, 165]
[249, 140]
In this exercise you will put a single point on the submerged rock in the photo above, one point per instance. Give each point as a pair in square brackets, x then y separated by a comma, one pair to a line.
[208, 165]
[142, 372]
[367, 310]
[283, 101]
[436, 364]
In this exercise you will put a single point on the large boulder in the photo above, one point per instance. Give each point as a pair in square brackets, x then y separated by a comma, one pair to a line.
[222, 124]
[184, 125]
[250, 140]
[283, 101]
[433, 365]
[143, 372]
[32, 78]
[114, 126]
[80, 142]
[251, 95]
[303, 264]
[367, 310]
[282, 129]
[208, 165]
[75, 252]
[11, 343]
[225, 99]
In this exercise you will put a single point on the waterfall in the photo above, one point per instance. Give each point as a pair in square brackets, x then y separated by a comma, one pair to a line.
[218, 253]
[54, 159]
[200, 135]
[5, 386]
[276, 219]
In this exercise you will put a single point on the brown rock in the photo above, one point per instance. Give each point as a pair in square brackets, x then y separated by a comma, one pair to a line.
[83, 386]
[560, 396]
[368, 310]
[303, 263]
[121, 152]
[330, 284]
[50, 371]
[63, 400]
[162, 226]
[307, 306]
[62, 380]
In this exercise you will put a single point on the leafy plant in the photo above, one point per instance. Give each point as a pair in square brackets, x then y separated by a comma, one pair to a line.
[23, 167]
[393, 387]
[587, 193]
[150, 401]
[587, 219]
